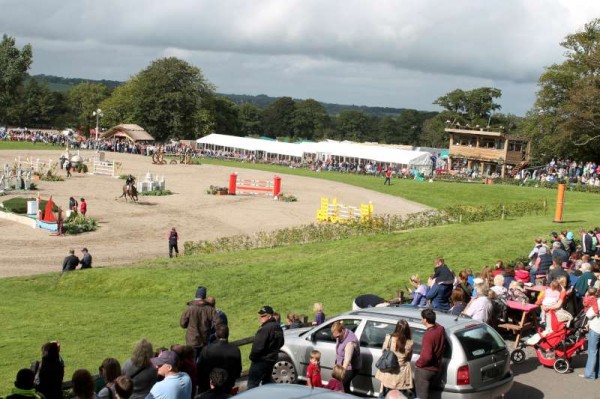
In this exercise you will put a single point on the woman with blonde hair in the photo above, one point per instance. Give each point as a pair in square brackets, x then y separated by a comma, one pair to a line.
[420, 291]
[140, 369]
[319, 315]
[401, 344]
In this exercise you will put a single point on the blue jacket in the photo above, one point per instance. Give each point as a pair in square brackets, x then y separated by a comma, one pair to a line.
[440, 296]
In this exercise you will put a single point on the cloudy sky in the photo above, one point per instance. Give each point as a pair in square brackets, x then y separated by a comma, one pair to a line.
[402, 53]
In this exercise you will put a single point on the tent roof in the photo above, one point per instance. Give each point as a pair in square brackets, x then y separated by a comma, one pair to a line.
[131, 131]
[370, 152]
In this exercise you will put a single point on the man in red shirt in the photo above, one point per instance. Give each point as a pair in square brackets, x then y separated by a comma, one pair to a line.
[388, 176]
[429, 364]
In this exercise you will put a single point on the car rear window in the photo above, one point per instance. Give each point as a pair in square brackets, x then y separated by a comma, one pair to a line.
[479, 340]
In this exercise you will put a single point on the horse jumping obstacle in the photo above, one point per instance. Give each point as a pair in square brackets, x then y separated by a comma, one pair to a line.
[340, 213]
[16, 178]
[254, 187]
[105, 168]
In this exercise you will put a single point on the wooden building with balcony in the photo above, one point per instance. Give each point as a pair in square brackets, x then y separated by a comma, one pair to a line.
[486, 151]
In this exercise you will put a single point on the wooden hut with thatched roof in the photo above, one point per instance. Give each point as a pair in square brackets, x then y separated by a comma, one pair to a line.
[131, 132]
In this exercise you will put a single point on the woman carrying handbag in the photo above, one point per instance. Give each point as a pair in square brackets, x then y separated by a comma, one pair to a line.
[400, 378]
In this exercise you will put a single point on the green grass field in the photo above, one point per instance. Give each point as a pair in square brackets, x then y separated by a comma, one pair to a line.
[26, 145]
[102, 312]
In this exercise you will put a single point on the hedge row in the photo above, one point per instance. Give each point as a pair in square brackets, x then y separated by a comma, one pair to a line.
[322, 232]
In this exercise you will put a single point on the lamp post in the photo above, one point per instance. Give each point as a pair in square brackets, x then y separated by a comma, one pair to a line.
[98, 114]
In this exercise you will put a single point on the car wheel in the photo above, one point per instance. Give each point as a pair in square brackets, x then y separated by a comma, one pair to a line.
[561, 365]
[517, 356]
[284, 371]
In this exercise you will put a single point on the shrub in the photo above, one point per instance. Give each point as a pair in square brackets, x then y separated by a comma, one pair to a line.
[158, 192]
[286, 197]
[324, 232]
[81, 168]
[50, 176]
[214, 190]
[77, 224]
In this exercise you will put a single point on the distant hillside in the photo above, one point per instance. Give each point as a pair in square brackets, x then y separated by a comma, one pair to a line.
[57, 83]
[60, 84]
[263, 101]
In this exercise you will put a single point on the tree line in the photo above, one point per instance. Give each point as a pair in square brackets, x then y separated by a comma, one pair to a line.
[172, 99]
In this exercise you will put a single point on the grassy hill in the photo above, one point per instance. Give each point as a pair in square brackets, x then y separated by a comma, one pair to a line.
[102, 312]
[60, 84]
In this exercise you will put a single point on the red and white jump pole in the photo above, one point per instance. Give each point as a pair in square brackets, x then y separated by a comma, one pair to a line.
[254, 187]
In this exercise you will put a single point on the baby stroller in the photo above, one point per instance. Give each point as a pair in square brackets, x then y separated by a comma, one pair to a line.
[555, 349]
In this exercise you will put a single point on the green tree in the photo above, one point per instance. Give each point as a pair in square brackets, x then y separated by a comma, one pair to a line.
[225, 115]
[279, 117]
[83, 100]
[14, 64]
[355, 125]
[119, 107]
[310, 119]
[251, 120]
[565, 120]
[433, 134]
[36, 106]
[168, 97]
[474, 107]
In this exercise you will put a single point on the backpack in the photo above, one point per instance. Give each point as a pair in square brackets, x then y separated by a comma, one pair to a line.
[499, 309]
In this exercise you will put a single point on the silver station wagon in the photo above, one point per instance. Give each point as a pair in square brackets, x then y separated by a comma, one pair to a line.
[476, 361]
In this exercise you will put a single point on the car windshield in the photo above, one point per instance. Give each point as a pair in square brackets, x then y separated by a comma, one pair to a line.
[480, 340]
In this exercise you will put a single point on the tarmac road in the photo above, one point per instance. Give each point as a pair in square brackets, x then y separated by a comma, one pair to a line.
[534, 381]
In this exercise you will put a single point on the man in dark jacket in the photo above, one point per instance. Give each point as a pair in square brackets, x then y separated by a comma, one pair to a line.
[71, 262]
[265, 348]
[86, 260]
[429, 365]
[198, 318]
[223, 355]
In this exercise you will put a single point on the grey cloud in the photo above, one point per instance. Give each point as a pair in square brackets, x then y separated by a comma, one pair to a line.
[447, 43]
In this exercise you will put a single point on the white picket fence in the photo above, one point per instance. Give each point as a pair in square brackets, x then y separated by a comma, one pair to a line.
[105, 168]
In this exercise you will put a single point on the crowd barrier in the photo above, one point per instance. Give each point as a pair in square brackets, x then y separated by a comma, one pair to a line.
[339, 213]
[271, 188]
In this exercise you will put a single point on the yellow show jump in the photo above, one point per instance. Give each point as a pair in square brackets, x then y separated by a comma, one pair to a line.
[340, 213]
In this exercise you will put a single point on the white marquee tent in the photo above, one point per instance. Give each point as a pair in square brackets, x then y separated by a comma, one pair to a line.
[337, 150]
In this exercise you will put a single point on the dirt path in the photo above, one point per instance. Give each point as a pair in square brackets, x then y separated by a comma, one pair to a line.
[129, 232]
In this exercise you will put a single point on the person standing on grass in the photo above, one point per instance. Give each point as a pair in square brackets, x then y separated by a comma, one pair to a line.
[429, 364]
[173, 237]
[388, 177]
[198, 319]
[265, 348]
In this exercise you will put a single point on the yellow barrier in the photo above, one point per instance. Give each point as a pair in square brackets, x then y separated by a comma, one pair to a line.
[340, 213]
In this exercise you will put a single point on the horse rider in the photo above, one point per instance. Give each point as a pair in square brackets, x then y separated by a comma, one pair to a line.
[129, 183]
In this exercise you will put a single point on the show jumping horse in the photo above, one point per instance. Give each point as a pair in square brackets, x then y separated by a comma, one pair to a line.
[130, 192]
